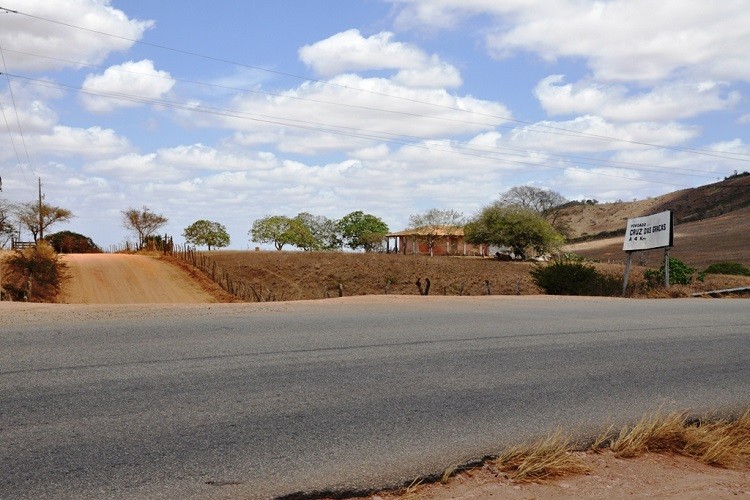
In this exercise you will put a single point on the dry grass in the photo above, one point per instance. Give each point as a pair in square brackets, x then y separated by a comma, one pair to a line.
[722, 443]
[548, 458]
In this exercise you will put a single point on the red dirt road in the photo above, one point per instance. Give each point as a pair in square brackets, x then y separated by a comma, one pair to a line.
[128, 279]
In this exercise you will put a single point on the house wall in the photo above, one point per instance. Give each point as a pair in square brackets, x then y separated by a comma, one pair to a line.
[455, 245]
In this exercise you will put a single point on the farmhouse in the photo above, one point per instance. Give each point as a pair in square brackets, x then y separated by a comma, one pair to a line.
[446, 240]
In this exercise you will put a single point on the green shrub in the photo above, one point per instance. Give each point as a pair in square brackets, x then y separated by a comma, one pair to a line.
[679, 274]
[733, 268]
[70, 242]
[565, 277]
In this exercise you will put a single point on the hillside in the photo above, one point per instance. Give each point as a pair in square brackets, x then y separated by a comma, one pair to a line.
[712, 224]
[688, 205]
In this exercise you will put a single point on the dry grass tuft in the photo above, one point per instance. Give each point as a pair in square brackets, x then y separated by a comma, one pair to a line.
[721, 443]
[546, 459]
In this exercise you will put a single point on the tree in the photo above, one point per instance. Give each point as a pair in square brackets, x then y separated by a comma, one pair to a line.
[6, 227]
[324, 231]
[282, 230]
[521, 229]
[435, 223]
[545, 202]
[143, 222]
[70, 242]
[28, 216]
[209, 233]
[361, 230]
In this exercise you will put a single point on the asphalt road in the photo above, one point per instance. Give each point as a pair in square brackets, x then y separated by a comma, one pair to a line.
[271, 401]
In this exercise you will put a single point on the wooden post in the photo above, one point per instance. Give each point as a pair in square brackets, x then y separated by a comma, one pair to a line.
[628, 263]
[666, 267]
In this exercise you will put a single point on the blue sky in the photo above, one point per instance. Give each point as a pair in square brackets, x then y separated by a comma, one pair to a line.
[231, 111]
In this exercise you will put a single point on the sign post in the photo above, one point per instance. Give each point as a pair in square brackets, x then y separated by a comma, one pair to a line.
[647, 233]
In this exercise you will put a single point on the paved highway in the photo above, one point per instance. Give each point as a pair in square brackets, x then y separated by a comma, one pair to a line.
[262, 400]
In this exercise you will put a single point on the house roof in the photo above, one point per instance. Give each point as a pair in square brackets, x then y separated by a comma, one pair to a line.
[426, 231]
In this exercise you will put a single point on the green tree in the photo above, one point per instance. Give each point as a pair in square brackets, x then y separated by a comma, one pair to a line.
[324, 231]
[282, 230]
[435, 223]
[518, 228]
[144, 223]
[545, 202]
[205, 232]
[28, 216]
[361, 230]
[70, 242]
[6, 226]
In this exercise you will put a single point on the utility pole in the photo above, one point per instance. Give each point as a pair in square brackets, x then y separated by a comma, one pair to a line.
[41, 218]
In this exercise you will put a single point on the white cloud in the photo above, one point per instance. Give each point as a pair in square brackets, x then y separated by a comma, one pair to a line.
[312, 119]
[669, 101]
[621, 40]
[56, 41]
[139, 79]
[93, 142]
[350, 51]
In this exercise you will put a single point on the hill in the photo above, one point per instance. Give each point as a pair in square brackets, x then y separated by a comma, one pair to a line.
[712, 224]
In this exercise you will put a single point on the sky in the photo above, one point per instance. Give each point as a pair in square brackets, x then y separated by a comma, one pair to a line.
[232, 111]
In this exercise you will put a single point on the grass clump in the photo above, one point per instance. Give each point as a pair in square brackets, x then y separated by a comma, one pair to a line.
[731, 268]
[722, 443]
[548, 458]
[679, 274]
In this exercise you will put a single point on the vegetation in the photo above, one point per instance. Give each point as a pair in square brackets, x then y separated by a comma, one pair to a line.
[281, 230]
[144, 223]
[518, 228]
[203, 232]
[361, 230]
[679, 274]
[28, 216]
[731, 268]
[6, 227]
[436, 222]
[545, 202]
[34, 274]
[574, 277]
[70, 242]
[324, 231]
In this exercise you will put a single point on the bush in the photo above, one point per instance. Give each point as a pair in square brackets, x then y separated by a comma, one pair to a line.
[34, 274]
[565, 277]
[70, 242]
[679, 274]
[733, 268]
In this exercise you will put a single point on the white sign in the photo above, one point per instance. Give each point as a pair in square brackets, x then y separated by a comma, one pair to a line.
[652, 231]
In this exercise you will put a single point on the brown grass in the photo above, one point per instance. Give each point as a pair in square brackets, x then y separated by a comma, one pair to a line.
[548, 458]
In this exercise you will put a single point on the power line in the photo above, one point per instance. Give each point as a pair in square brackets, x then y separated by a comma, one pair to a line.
[562, 130]
[18, 120]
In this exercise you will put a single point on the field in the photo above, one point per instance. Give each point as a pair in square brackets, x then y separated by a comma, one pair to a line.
[276, 276]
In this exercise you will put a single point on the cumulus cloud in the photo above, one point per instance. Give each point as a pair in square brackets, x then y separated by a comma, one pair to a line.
[350, 113]
[35, 44]
[350, 51]
[139, 79]
[92, 142]
[674, 100]
[621, 40]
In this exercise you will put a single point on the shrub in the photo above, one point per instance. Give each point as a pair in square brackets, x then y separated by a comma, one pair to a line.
[34, 274]
[733, 268]
[565, 277]
[679, 274]
[70, 242]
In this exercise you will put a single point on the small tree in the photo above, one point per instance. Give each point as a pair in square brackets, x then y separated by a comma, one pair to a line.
[361, 230]
[143, 222]
[324, 231]
[545, 202]
[520, 229]
[282, 230]
[34, 274]
[204, 232]
[28, 216]
[70, 242]
[435, 223]
[6, 226]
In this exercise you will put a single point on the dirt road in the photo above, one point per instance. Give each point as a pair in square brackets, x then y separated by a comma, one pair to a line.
[128, 279]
